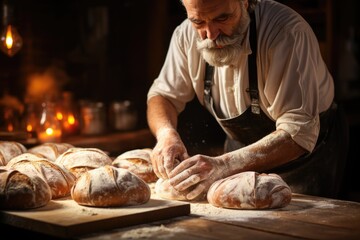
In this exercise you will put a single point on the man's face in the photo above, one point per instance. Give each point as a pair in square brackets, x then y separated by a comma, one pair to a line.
[221, 25]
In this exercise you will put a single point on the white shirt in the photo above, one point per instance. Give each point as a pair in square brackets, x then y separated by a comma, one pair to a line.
[293, 80]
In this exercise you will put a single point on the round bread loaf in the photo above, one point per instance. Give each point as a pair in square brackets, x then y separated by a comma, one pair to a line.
[9, 150]
[164, 190]
[19, 191]
[80, 160]
[250, 190]
[109, 186]
[59, 179]
[138, 162]
[51, 151]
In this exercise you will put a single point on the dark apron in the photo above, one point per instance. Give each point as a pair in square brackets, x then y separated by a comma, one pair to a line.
[318, 173]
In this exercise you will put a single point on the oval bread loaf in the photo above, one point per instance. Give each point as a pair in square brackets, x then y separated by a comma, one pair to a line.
[164, 190]
[138, 162]
[9, 150]
[109, 186]
[19, 191]
[80, 160]
[250, 190]
[59, 179]
[51, 151]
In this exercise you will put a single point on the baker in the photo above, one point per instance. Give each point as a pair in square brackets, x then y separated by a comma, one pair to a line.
[257, 68]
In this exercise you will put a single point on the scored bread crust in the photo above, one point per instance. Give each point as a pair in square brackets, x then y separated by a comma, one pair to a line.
[19, 191]
[50, 151]
[138, 162]
[81, 160]
[109, 186]
[56, 176]
[250, 190]
[9, 150]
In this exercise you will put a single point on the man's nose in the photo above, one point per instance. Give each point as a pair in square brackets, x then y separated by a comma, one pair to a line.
[211, 31]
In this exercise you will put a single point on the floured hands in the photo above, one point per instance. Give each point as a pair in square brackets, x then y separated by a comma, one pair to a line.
[167, 153]
[198, 172]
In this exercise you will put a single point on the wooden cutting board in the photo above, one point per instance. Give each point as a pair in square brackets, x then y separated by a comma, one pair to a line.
[65, 218]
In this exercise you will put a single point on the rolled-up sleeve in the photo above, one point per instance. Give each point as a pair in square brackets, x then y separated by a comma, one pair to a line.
[174, 81]
[294, 86]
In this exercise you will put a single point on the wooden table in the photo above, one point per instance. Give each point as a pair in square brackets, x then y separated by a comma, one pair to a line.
[306, 217]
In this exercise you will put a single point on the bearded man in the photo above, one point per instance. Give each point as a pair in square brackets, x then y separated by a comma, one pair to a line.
[257, 68]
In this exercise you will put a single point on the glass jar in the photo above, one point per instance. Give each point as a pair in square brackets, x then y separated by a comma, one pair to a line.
[123, 115]
[93, 118]
[49, 128]
[68, 114]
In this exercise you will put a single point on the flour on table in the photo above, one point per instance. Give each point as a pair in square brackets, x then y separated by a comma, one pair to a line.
[158, 232]
[88, 212]
[210, 212]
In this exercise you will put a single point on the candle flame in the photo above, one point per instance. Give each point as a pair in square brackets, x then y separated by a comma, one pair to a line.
[9, 38]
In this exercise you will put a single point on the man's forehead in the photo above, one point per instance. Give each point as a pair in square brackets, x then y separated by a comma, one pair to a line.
[208, 8]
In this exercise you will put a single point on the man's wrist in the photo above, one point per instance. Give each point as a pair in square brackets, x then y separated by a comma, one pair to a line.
[165, 132]
[234, 162]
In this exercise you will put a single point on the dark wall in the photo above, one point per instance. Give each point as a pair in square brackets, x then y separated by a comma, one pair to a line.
[107, 50]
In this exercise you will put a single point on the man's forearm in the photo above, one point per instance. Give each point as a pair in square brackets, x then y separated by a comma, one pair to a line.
[269, 152]
[161, 114]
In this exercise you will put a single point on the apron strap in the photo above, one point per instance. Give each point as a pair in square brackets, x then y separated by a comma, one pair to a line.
[208, 82]
[253, 79]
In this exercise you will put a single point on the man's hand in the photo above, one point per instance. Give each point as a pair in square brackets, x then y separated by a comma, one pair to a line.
[167, 153]
[198, 172]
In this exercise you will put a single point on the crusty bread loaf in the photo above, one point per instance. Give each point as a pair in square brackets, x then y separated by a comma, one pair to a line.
[51, 151]
[109, 186]
[19, 191]
[164, 190]
[80, 160]
[138, 162]
[9, 150]
[250, 190]
[56, 176]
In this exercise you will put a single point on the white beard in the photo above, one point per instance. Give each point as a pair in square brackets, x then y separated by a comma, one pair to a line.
[230, 45]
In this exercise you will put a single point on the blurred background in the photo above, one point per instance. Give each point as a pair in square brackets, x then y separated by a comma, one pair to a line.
[105, 55]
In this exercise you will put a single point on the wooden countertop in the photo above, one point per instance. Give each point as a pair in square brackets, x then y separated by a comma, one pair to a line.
[306, 217]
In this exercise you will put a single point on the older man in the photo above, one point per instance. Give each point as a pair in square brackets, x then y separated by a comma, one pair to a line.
[256, 66]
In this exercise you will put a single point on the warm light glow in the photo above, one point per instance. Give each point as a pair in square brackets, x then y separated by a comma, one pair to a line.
[10, 127]
[70, 124]
[9, 38]
[59, 116]
[29, 128]
[49, 131]
[71, 119]
[50, 135]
